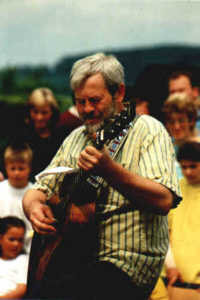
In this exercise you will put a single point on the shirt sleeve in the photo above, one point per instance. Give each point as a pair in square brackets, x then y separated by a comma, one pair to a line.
[157, 156]
[50, 184]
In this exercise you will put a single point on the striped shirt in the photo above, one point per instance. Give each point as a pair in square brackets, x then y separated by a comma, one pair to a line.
[134, 240]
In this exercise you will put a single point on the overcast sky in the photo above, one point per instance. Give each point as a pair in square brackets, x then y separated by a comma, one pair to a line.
[44, 31]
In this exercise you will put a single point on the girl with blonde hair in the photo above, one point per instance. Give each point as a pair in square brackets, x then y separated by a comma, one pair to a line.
[42, 133]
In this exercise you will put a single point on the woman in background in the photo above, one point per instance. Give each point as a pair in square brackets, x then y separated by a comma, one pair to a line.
[180, 114]
[42, 133]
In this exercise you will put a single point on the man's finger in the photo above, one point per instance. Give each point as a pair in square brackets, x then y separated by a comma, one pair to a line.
[43, 227]
[49, 217]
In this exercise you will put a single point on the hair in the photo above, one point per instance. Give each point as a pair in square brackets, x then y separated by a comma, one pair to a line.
[20, 152]
[176, 74]
[189, 151]
[180, 103]
[107, 65]
[44, 96]
[8, 222]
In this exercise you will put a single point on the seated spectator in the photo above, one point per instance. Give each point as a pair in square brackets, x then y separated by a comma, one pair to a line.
[13, 261]
[183, 263]
[180, 116]
[42, 133]
[17, 160]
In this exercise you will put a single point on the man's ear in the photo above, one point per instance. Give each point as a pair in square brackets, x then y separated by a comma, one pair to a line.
[119, 96]
[195, 92]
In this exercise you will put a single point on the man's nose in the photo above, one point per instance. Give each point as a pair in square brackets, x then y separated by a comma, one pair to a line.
[88, 108]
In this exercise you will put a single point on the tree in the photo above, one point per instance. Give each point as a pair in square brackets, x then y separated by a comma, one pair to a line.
[8, 80]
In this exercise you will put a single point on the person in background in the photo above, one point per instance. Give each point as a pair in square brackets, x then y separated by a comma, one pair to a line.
[175, 112]
[160, 292]
[13, 261]
[70, 118]
[131, 206]
[141, 107]
[1, 176]
[41, 131]
[180, 116]
[142, 103]
[17, 160]
[182, 263]
[182, 81]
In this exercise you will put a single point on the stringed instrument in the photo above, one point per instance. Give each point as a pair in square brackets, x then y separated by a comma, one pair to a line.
[76, 200]
[80, 183]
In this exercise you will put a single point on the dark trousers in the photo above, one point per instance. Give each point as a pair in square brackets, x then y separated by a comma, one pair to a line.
[107, 282]
[73, 274]
[100, 281]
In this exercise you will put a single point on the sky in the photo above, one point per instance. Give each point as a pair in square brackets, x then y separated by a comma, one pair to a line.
[34, 32]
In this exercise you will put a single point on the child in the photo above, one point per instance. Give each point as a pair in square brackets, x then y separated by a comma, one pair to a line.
[13, 264]
[17, 160]
[184, 263]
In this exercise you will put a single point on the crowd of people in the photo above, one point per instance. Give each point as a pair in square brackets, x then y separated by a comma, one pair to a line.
[27, 152]
[131, 218]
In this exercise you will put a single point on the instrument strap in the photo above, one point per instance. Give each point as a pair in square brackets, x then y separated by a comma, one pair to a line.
[113, 148]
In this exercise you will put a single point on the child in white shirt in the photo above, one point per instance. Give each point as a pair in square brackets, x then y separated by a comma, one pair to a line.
[13, 263]
[17, 160]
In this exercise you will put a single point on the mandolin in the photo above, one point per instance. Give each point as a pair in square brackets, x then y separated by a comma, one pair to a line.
[77, 195]
[80, 183]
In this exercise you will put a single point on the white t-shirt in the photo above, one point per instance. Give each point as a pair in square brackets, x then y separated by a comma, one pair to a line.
[11, 205]
[12, 273]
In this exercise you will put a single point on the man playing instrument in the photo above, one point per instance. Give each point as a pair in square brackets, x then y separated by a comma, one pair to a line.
[119, 251]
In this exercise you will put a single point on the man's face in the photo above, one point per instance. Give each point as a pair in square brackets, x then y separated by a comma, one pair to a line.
[94, 102]
[181, 84]
[179, 126]
[191, 171]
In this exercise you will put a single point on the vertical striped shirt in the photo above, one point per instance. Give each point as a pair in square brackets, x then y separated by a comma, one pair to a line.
[134, 240]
